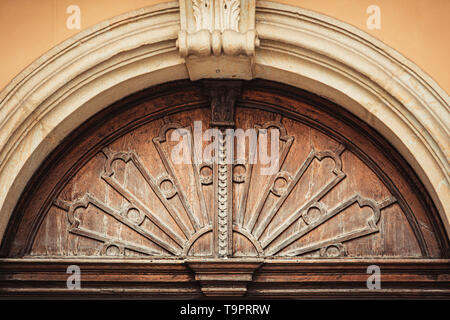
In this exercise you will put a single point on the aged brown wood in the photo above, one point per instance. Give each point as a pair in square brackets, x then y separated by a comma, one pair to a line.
[323, 278]
[113, 190]
[223, 95]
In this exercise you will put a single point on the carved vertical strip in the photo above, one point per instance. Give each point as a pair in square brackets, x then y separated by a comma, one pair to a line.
[223, 95]
[224, 197]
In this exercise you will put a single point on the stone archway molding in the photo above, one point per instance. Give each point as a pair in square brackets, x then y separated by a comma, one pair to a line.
[149, 46]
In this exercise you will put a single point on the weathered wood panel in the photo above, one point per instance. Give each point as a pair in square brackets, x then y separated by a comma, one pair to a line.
[116, 188]
[333, 193]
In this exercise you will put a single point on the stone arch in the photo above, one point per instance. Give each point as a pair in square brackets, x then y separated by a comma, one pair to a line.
[111, 60]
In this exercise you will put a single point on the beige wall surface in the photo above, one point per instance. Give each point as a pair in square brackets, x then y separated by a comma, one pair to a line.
[418, 29]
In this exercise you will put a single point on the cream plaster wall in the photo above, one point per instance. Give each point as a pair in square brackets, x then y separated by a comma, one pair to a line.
[418, 29]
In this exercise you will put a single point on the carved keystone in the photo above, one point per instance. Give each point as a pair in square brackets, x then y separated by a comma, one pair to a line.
[217, 38]
[224, 278]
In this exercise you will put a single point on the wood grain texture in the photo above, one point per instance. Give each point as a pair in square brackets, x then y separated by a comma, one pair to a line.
[113, 190]
[300, 278]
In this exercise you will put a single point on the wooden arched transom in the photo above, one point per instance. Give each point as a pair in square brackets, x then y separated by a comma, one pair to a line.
[114, 189]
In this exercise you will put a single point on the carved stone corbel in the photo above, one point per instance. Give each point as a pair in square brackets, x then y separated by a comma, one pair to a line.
[218, 38]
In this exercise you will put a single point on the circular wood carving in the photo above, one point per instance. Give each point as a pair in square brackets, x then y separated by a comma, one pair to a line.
[113, 187]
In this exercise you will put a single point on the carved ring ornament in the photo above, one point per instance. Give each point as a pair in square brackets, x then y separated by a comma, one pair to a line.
[213, 209]
[331, 197]
[127, 201]
[134, 212]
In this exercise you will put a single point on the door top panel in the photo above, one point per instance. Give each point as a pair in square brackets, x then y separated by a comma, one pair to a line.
[225, 169]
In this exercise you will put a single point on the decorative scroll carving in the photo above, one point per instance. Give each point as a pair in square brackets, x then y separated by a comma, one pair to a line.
[285, 147]
[167, 164]
[230, 14]
[216, 28]
[214, 207]
[327, 248]
[135, 211]
[108, 176]
[221, 228]
[325, 215]
[226, 19]
[110, 246]
[204, 14]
